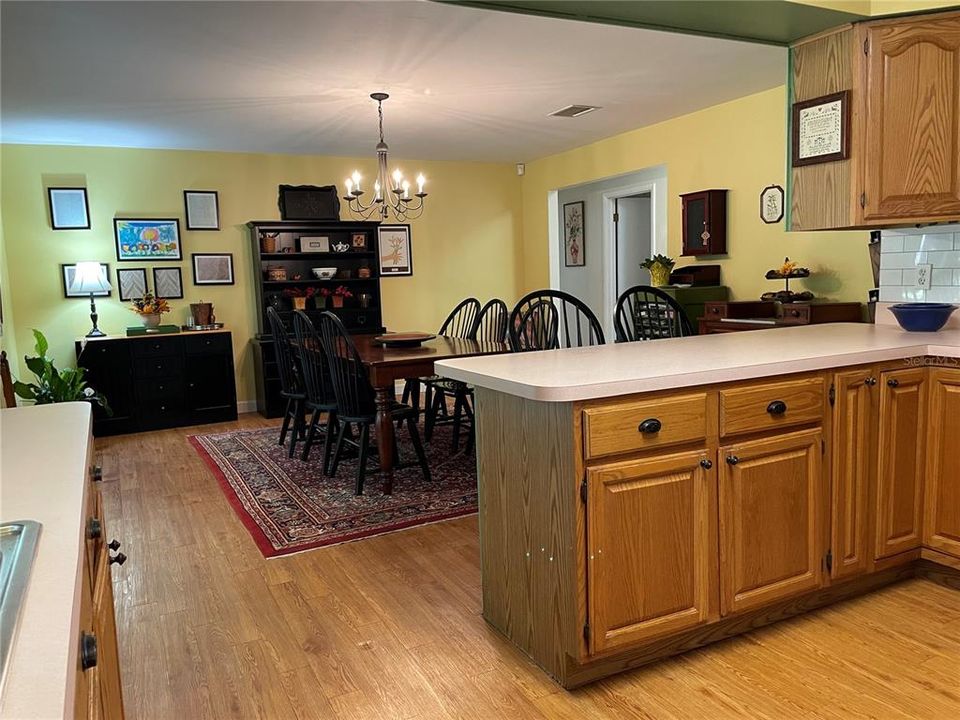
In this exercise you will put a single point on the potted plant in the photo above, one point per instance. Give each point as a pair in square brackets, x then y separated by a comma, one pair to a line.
[55, 386]
[339, 295]
[321, 301]
[659, 267]
[300, 296]
[150, 308]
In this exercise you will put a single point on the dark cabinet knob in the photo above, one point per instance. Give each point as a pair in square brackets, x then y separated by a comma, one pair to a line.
[893, 382]
[795, 313]
[114, 544]
[88, 650]
[96, 473]
[650, 426]
[777, 407]
[870, 381]
[732, 459]
[706, 464]
[119, 559]
[94, 529]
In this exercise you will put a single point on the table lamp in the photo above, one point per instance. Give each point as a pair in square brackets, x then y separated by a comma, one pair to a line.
[89, 277]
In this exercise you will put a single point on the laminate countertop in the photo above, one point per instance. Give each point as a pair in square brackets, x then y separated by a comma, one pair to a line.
[43, 477]
[626, 368]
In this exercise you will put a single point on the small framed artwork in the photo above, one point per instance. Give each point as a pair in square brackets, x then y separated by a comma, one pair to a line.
[66, 275]
[202, 208]
[131, 283]
[573, 249]
[147, 239]
[771, 204]
[212, 268]
[314, 243]
[168, 283]
[396, 257]
[820, 129]
[69, 209]
[358, 241]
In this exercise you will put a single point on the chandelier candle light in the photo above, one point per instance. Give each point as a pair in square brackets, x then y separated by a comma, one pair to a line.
[391, 192]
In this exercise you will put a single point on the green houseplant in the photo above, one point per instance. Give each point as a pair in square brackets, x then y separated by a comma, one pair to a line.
[659, 266]
[52, 385]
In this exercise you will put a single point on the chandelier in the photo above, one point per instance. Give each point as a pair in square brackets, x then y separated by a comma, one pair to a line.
[391, 192]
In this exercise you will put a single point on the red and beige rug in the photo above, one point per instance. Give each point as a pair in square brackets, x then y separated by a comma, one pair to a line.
[289, 506]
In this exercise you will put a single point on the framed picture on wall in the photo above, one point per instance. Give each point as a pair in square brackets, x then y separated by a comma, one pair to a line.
[396, 257]
[147, 239]
[212, 268]
[131, 283]
[67, 272]
[168, 283]
[69, 209]
[573, 234]
[820, 131]
[202, 209]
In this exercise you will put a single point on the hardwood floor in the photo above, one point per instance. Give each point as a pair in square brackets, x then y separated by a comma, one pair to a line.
[390, 627]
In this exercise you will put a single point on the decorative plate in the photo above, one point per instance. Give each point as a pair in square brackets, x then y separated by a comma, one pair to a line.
[404, 339]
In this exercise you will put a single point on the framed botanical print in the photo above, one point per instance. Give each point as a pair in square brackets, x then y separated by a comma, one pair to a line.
[167, 283]
[67, 272]
[395, 253]
[212, 268]
[69, 208]
[131, 283]
[147, 239]
[202, 209]
[573, 234]
[771, 204]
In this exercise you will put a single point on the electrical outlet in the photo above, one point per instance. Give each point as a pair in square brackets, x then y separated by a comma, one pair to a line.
[924, 273]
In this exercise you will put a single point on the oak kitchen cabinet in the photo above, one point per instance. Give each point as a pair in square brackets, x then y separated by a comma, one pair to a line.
[903, 75]
[941, 514]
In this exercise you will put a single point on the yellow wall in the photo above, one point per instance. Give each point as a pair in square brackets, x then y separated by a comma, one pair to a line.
[888, 7]
[739, 145]
[464, 244]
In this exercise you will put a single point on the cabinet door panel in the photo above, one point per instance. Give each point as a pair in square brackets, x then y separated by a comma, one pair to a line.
[942, 504]
[902, 441]
[913, 120]
[852, 451]
[651, 543]
[771, 494]
[108, 656]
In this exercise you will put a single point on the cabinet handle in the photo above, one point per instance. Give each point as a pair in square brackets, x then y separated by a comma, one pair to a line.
[871, 381]
[893, 382]
[650, 426]
[88, 650]
[777, 407]
[114, 544]
[119, 559]
[706, 464]
[96, 473]
[795, 313]
[732, 459]
[94, 529]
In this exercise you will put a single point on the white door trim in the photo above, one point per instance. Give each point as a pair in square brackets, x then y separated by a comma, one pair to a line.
[553, 237]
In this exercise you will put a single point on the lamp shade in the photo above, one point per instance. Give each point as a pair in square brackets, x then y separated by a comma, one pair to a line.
[89, 277]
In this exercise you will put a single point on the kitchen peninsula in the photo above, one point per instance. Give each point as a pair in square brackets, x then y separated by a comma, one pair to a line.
[643, 499]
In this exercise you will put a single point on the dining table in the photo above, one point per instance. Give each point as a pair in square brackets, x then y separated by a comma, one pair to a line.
[387, 364]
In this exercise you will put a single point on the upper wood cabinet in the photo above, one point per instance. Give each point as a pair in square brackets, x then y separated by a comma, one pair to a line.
[941, 518]
[904, 161]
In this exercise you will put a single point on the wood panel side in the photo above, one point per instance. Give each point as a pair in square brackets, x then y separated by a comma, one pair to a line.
[941, 513]
[529, 492]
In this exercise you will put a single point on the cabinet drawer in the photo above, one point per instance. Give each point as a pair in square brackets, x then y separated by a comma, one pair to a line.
[770, 407]
[793, 314]
[157, 367]
[161, 389]
[212, 343]
[632, 426]
[155, 347]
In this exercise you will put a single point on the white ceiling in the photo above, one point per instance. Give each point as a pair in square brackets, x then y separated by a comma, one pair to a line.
[294, 77]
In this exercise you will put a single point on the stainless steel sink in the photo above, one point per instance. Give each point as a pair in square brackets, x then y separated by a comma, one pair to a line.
[18, 544]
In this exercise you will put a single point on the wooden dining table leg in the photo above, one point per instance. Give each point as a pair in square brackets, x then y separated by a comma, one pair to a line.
[385, 435]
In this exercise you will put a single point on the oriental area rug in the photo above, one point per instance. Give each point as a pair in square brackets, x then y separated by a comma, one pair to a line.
[289, 505]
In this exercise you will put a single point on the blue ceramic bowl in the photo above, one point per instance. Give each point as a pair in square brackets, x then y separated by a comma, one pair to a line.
[922, 317]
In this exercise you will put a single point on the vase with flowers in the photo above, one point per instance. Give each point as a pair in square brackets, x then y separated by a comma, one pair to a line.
[659, 267]
[339, 295]
[150, 309]
[299, 296]
[321, 301]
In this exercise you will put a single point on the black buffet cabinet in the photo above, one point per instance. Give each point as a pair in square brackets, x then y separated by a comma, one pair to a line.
[160, 381]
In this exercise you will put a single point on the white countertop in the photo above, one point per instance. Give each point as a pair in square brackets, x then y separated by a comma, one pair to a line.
[43, 477]
[624, 368]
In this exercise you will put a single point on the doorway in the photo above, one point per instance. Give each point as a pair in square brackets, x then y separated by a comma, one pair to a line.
[633, 240]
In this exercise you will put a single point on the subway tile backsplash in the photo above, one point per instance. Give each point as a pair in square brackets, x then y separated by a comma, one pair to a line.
[902, 251]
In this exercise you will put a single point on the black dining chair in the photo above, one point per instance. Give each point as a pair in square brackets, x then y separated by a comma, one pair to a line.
[356, 398]
[317, 384]
[551, 319]
[647, 313]
[291, 385]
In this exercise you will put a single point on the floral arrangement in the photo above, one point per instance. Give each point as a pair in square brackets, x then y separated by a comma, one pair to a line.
[659, 267]
[300, 292]
[150, 305]
[341, 291]
[658, 259]
[55, 386]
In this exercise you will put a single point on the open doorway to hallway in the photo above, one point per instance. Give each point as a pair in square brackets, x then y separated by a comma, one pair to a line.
[633, 239]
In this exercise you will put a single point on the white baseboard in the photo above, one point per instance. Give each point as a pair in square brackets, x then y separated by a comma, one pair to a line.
[246, 406]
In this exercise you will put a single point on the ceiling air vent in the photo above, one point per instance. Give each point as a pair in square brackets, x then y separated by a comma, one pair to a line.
[572, 111]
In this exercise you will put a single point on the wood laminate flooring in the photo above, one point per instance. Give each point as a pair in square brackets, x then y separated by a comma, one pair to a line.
[390, 627]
